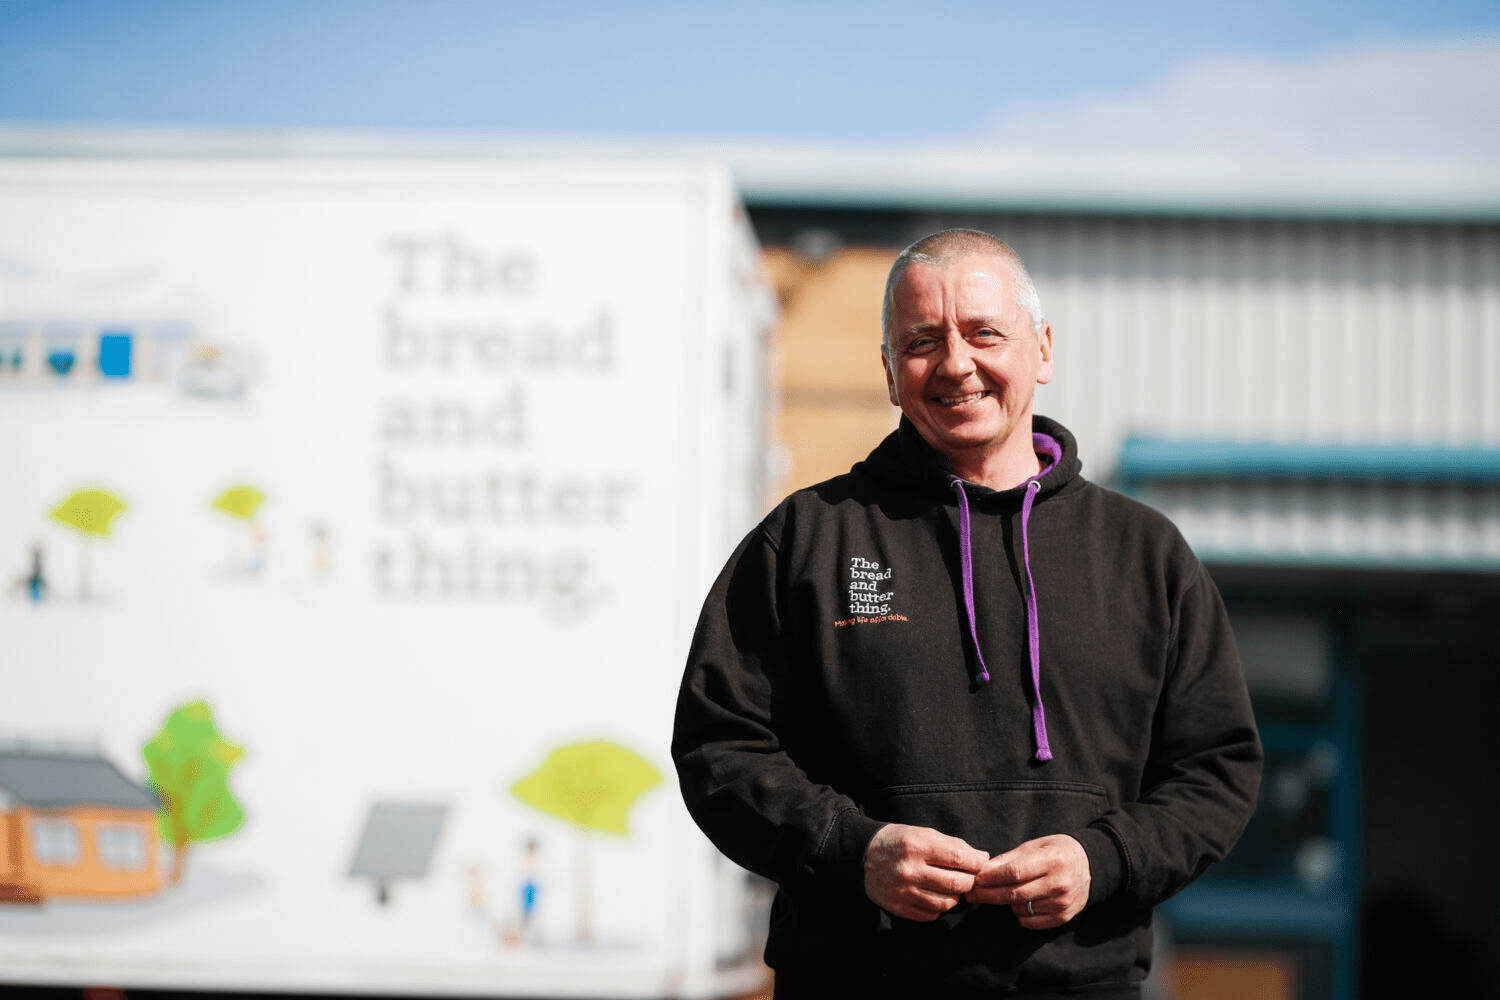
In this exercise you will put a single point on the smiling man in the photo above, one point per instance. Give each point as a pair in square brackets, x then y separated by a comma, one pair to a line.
[974, 714]
[964, 348]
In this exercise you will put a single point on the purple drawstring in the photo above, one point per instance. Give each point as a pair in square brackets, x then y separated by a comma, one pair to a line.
[1033, 630]
[1050, 447]
[966, 563]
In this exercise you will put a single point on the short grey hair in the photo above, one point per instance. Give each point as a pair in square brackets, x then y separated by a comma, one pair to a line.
[942, 249]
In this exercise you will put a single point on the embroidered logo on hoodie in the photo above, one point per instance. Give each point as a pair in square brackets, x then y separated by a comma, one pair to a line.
[870, 593]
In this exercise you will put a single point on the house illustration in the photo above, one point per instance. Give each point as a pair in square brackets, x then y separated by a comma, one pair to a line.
[73, 826]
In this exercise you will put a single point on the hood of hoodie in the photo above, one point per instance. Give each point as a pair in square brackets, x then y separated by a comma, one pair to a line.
[906, 460]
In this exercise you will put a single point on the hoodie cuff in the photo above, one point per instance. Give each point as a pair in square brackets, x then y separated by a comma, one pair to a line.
[1106, 863]
[841, 857]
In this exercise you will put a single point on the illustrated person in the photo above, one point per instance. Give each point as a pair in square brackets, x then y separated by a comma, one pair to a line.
[322, 559]
[34, 584]
[474, 892]
[530, 886]
[973, 713]
[526, 930]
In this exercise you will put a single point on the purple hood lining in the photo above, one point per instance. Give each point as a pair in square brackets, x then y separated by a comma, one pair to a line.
[1047, 446]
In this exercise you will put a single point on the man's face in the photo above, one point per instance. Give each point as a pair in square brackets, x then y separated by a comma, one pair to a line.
[964, 362]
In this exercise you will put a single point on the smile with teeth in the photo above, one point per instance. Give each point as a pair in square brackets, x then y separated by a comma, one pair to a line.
[967, 397]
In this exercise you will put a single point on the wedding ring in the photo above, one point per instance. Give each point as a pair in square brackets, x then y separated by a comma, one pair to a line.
[1029, 911]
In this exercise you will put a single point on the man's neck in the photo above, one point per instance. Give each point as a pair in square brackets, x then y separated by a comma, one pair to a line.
[1002, 468]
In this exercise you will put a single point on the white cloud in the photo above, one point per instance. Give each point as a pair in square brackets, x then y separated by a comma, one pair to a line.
[1432, 98]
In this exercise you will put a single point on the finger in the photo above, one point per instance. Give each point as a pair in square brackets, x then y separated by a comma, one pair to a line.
[943, 851]
[1050, 889]
[1014, 867]
[1007, 874]
[1035, 908]
[895, 841]
[1043, 921]
[920, 875]
[1053, 911]
[1004, 876]
[946, 881]
[916, 905]
[999, 897]
[1057, 856]
[1047, 886]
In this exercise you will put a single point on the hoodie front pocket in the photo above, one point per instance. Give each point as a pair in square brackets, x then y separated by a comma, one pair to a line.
[993, 816]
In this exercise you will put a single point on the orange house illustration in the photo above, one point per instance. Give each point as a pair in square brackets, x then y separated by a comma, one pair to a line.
[73, 826]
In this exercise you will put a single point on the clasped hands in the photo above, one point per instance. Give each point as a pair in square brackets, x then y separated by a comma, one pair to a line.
[919, 873]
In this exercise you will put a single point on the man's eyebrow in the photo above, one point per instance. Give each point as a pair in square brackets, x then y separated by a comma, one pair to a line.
[912, 331]
[968, 322]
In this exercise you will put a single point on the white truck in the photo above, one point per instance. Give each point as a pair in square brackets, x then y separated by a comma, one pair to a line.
[354, 519]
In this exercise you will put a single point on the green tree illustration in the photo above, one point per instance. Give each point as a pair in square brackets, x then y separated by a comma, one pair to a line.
[592, 785]
[190, 764]
[91, 513]
[242, 503]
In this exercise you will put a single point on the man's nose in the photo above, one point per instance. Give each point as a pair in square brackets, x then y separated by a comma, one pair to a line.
[957, 361]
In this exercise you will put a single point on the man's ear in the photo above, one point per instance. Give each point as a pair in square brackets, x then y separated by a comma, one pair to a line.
[890, 380]
[1044, 344]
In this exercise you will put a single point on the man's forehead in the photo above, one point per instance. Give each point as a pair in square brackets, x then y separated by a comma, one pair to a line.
[978, 283]
[984, 259]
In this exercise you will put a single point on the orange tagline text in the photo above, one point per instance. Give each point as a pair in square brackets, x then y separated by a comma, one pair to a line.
[862, 620]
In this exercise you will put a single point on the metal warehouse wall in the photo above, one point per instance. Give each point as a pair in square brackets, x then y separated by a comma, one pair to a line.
[1322, 331]
[1250, 330]
[1356, 333]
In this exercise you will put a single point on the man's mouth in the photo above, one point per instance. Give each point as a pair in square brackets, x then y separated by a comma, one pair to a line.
[967, 397]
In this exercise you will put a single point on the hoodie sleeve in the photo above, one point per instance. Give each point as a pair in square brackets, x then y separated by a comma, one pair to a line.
[740, 784]
[1199, 787]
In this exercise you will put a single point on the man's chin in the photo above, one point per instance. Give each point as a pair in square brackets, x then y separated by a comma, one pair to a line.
[973, 433]
[957, 444]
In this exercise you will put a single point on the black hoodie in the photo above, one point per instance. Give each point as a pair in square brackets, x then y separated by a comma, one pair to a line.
[836, 682]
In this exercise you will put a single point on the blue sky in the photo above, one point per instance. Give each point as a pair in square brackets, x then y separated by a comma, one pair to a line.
[873, 71]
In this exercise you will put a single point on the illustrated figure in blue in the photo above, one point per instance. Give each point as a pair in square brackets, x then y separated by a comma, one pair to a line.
[34, 585]
[530, 886]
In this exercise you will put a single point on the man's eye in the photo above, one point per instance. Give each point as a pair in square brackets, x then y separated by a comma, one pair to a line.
[985, 332]
[920, 345]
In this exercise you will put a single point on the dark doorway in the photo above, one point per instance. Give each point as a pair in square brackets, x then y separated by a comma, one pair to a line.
[1419, 654]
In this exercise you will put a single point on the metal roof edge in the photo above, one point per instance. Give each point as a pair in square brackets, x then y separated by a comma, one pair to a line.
[987, 178]
[1288, 558]
[1149, 458]
[931, 177]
